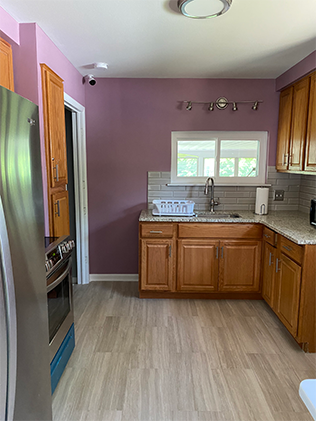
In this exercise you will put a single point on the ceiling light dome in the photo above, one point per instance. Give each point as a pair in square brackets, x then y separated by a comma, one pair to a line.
[203, 9]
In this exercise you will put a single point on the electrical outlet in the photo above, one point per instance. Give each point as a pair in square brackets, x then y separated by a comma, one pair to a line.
[278, 195]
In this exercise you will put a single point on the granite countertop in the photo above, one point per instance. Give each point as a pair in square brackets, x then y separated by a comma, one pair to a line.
[291, 224]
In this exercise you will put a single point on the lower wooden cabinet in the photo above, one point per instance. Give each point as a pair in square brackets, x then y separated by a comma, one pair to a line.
[60, 213]
[197, 265]
[156, 264]
[268, 272]
[239, 266]
[288, 287]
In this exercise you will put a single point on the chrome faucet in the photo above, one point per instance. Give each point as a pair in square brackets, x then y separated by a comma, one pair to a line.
[206, 189]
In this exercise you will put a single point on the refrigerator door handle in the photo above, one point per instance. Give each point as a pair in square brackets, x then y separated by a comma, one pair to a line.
[9, 296]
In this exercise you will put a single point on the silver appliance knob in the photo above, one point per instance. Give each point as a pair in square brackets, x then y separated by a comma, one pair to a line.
[73, 243]
[47, 266]
[69, 245]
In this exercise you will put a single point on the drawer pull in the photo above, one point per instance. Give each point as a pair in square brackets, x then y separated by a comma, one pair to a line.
[155, 232]
[288, 248]
[267, 236]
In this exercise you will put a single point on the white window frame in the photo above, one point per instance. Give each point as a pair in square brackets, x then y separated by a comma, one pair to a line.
[261, 136]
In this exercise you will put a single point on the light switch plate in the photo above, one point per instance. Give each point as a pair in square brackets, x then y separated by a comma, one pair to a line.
[278, 195]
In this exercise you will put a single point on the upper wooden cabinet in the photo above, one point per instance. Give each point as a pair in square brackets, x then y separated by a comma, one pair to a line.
[56, 152]
[310, 158]
[284, 130]
[6, 65]
[298, 127]
[296, 148]
[55, 129]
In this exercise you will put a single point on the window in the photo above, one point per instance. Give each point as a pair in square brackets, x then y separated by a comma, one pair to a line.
[228, 157]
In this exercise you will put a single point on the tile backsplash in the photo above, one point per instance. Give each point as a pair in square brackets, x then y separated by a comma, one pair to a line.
[307, 192]
[298, 190]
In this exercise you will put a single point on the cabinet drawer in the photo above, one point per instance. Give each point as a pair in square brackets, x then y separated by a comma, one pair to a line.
[269, 236]
[222, 231]
[294, 251]
[156, 230]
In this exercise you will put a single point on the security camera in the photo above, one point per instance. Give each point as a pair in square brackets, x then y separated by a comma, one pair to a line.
[90, 79]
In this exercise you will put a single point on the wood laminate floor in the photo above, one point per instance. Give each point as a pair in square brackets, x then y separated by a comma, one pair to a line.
[179, 360]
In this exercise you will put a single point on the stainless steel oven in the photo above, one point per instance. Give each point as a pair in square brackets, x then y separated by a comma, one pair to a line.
[59, 291]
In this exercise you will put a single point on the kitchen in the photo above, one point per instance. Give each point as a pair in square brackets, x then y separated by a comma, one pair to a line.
[126, 139]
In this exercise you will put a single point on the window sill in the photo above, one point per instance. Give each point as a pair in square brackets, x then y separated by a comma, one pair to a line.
[217, 185]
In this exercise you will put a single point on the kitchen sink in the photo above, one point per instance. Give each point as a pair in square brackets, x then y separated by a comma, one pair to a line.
[214, 215]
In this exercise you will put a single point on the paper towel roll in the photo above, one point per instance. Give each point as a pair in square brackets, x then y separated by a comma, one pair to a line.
[262, 199]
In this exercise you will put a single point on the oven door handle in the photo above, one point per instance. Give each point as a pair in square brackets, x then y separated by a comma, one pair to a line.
[60, 278]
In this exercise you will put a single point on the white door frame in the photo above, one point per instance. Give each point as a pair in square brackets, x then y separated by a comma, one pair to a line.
[80, 182]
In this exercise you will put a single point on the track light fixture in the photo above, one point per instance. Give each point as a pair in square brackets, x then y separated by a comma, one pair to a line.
[211, 106]
[189, 106]
[222, 103]
[255, 106]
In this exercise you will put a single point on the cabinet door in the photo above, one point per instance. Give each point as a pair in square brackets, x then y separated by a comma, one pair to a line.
[54, 125]
[156, 265]
[310, 157]
[288, 292]
[60, 214]
[284, 129]
[239, 266]
[268, 272]
[298, 127]
[197, 265]
[6, 65]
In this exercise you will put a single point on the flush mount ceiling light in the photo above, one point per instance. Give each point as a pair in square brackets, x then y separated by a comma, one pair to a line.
[203, 9]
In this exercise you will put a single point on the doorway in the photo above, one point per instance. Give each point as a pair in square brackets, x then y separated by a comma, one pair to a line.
[77, 187]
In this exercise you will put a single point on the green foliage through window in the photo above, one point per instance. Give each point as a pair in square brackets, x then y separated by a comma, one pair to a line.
[187, 167]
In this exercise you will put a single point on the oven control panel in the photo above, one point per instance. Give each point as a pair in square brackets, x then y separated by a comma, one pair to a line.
[57, 254]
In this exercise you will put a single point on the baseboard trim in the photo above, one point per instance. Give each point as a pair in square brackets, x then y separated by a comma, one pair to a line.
[105, 277]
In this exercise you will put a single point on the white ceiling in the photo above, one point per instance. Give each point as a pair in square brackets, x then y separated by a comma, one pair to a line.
[149, 38]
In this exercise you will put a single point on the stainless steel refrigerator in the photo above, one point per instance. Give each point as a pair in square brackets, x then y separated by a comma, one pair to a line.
[25, 391]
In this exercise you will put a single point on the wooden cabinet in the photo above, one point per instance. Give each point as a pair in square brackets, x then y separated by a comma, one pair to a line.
[239, 266]
[60, 212]
[6, 65]
[56, 152]
[298, 126]
[156, 265]
[55, 129]
[197, 265]
[211, 258]
[284, 129]
[310, 157]
[288, 286]
[268, 272]
[296, 148]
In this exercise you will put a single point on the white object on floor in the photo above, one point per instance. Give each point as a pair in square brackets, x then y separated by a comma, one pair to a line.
[307, 393]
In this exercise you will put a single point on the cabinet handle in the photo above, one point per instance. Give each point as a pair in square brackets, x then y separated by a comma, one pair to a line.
[58, 208]
[267, 236]
[270, 254]
[155, 232]
[290, 156]
[56, 168]
[222, 252]
[285, 159]
[287, 248]
[217, 252]
[277, 268]
[169, 251]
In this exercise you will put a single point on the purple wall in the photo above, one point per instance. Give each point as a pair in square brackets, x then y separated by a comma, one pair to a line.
[300, 69]
[129, 124]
